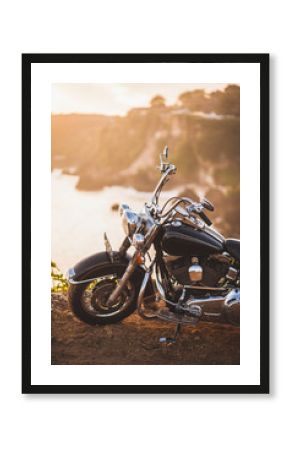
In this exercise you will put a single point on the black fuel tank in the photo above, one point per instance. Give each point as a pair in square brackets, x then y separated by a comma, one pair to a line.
[184, 240]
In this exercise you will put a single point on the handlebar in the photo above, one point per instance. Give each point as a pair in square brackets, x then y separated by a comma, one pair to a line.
[167, 170]
[204, 217]
[172, 207]
[196, 208]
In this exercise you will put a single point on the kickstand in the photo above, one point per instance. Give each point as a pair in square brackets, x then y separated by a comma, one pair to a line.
[168, 340]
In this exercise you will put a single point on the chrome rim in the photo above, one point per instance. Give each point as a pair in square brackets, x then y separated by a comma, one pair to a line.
[96, 295]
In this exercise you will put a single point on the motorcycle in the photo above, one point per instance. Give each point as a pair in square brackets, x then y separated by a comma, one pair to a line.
[182, 270]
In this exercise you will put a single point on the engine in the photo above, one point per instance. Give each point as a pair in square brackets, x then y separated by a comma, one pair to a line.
[207, 271]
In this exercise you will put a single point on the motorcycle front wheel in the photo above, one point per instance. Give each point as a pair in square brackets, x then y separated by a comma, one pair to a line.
[89, 301]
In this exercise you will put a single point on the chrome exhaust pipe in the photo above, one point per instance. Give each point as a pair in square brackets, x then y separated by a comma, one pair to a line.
[223, 309]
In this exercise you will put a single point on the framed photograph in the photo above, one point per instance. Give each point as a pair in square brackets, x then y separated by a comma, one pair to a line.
[145, 222]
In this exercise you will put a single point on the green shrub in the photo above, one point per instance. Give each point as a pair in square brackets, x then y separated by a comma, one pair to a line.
[58, 281]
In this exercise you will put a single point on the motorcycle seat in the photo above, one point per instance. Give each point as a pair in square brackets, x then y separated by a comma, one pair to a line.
[233, 247]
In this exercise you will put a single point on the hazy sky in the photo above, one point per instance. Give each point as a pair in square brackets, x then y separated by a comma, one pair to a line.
[116, 98]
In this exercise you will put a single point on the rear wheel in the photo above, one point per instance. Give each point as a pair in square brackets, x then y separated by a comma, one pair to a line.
[89, 301]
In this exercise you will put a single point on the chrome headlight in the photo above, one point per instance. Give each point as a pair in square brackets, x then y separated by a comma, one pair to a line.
[130, 222]
[123, 207]
[138, 241]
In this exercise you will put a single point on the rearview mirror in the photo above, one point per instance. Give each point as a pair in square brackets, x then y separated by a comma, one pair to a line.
[165, 152]
[164, 160]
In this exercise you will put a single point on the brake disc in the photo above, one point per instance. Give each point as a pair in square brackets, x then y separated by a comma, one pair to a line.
[102, 292]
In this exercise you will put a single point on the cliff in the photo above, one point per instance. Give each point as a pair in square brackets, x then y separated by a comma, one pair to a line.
[107, 151]
[201, 130]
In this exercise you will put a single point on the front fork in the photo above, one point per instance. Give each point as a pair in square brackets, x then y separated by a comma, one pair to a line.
[149, 238]
[122, 283]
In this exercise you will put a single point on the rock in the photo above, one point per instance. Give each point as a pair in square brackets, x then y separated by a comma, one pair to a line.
[115, 207]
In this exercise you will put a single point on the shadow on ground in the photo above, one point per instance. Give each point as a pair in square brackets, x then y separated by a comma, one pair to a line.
[136, 341]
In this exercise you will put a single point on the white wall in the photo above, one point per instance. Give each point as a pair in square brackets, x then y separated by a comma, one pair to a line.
[143, 422]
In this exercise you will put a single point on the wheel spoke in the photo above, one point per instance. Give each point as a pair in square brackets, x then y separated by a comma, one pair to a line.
[95, 297]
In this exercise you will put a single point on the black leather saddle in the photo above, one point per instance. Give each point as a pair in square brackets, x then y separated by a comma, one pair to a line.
[233, 247]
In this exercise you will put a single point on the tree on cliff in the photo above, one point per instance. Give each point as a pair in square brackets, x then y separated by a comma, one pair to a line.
[194, 100]
[157, 101]
[226, 102]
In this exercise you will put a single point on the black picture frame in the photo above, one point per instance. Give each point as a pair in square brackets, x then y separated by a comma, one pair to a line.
[27, 61]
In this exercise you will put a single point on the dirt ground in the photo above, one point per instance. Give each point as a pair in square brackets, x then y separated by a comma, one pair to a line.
[136, 341]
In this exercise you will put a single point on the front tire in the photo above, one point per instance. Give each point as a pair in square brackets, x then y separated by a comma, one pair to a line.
[88, 300]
